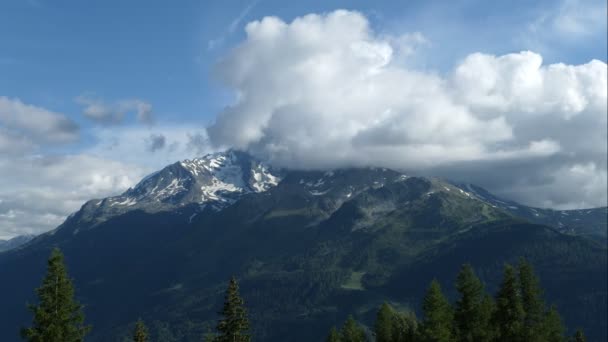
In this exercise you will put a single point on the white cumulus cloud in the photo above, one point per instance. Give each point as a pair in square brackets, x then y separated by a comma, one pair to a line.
[327, 91]
[24, 126]
[49, 188]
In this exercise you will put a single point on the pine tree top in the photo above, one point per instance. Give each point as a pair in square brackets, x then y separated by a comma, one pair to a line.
[141, 331]
[333, 336]
[58, 316]
[352, 331]
[234, 325]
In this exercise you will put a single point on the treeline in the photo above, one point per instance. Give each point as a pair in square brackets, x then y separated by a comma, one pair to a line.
[517, 313]
[58, 317]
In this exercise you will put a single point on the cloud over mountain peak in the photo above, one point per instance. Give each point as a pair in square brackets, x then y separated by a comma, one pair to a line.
[327, 91]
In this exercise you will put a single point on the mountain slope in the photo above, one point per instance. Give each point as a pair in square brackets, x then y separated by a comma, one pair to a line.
[213, 182]
[308, 251]
[15, 242]
[591, 222]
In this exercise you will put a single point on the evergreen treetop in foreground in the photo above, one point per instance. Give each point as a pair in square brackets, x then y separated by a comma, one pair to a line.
[58, 317]
[394, 326]
[509, 314]
[438, 316]
[517, 314]
[333, 336]
[352, 331]
[471, 316]
[234, 325]
[141, 332]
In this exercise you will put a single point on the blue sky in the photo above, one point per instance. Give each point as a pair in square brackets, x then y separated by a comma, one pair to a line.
[54, 51]
[128, 74]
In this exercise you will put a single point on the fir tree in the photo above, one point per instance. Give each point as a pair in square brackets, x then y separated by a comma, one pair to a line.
[553, 326]
[394, 326]
[58, 317]
[352, 331]
[333, 336]
[141, 332]
[385, 324]
[509, 313]
[470, 319]
[438, 316]
[579, 336]
[234, 325]
[405, 327]
[532, 302]
[488, 308]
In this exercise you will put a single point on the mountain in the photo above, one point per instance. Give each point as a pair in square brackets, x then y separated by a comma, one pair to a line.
[308, 247]
[212, 182]
[15, 242]
[588, 222]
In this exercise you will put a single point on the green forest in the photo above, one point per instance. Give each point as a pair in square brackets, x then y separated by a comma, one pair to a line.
[516, 313]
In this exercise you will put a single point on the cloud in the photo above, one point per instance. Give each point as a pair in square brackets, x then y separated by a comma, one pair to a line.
[581, 186]
[577, 18]
[569, 24]
[14, 143]
[134, 144]
[23, 127]
[115, 112]
[198, 143]
[326, 91]
[156, 142]
[48, 188]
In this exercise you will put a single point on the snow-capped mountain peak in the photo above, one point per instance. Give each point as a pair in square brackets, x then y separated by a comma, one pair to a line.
[216, 180]
[230, 172]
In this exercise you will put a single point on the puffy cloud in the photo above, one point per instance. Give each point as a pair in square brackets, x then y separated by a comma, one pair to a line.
[115, 112]
[49, 188]
[14, 143]
[156, 142]
[24, 126]
[584, 186]
[326, 91]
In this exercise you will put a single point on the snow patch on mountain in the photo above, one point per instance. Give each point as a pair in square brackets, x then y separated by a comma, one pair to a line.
[218, 179]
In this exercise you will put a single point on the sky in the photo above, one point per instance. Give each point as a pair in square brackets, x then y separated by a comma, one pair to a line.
[510, 95]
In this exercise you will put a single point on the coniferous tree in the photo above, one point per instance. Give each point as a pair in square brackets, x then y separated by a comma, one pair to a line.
[58, 317]
[437, 325]
[472, 324]
[532, 302]
[579, 336]
[405, 327]
[141, 332]
[553, 326]
[234, 325]
[394, 326]
[385, 323]
[488, 308]
[509, 313]
[352, 331]
[333, 336]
